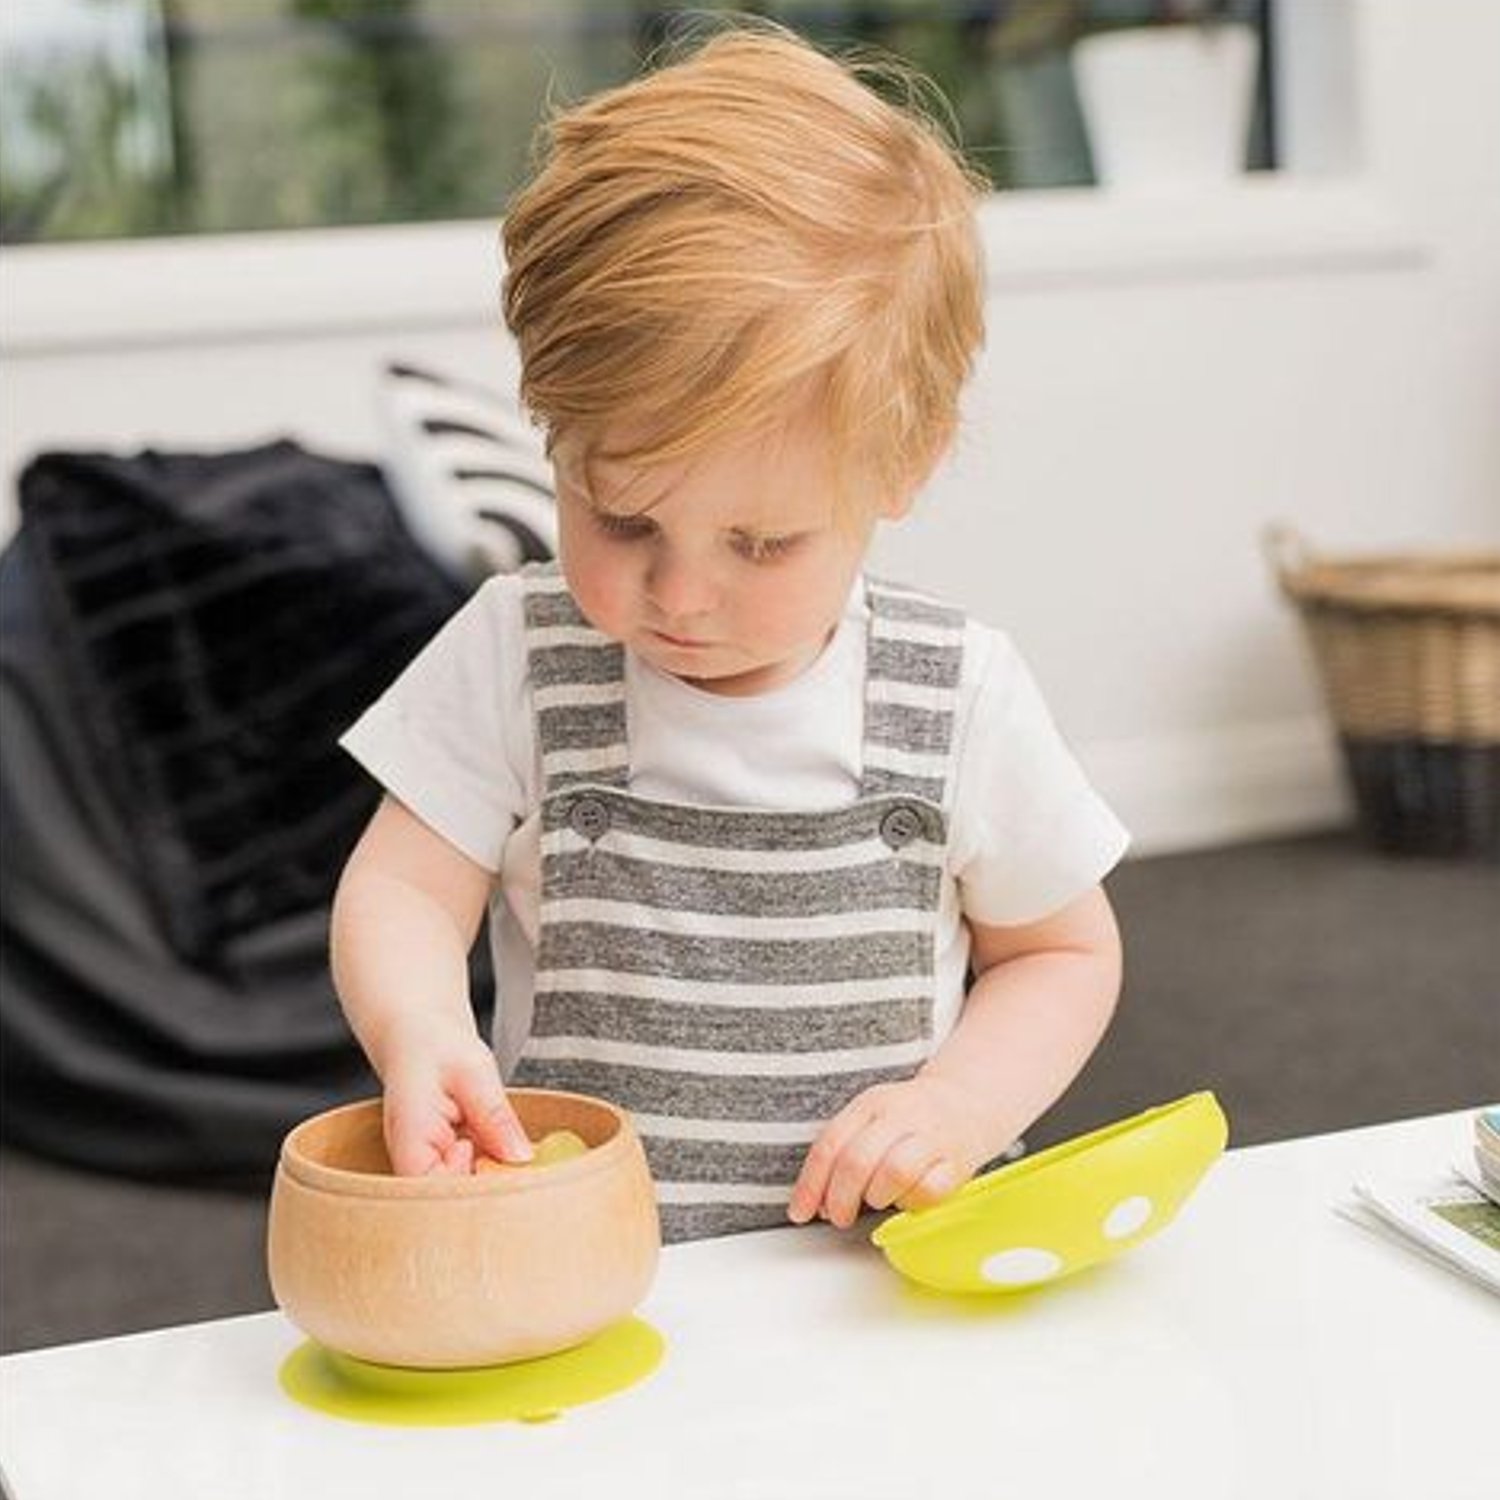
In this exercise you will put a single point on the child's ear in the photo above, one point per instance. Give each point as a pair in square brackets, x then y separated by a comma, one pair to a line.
[895, 506]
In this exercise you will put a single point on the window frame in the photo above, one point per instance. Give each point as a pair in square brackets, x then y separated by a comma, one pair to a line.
[1321, 212]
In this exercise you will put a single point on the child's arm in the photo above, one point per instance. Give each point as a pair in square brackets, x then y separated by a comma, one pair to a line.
[407, 910]
[1043, 996]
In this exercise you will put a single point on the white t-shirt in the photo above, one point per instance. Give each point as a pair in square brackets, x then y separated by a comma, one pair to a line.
[453, 740]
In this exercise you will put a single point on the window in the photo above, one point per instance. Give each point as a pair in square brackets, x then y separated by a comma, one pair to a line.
[123, 118]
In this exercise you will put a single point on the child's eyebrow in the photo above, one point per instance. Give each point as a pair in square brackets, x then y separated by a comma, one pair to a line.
[605, 492]
[601, 496]
[611, 504]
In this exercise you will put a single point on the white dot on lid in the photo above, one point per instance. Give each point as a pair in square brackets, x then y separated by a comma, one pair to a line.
[1020, 1267]
[1128, 1215]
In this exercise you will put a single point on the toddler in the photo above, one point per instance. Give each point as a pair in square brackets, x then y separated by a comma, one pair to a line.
[788, 862]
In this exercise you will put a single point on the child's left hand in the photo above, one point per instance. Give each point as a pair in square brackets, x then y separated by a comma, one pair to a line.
[908, 1143]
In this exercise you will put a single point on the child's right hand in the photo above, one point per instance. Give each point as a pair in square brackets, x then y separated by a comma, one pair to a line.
[444, 1102]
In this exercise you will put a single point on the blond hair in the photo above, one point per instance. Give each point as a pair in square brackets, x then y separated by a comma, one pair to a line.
[747, 225]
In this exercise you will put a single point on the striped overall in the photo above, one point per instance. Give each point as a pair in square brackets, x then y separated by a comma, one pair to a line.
[733, 977]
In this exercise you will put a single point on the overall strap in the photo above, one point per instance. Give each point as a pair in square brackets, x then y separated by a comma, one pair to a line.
[911, 693]
[577, 687]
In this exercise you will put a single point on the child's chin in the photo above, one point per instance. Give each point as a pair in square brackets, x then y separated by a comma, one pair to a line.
[695, 672]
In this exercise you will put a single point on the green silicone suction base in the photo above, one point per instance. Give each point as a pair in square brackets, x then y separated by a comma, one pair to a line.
[531, 1390]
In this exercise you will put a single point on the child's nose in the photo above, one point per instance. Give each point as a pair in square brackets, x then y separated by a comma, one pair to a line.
[680, 586]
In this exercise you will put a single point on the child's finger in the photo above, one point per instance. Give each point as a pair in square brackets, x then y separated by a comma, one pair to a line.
[851, 1175]
[444, 1164]
[937, 1182]
[901, 1169]
[489, 1117]
[412, 1135]
[809, 1190]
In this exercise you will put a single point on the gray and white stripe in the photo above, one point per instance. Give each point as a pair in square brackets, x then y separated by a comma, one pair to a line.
[734, 977]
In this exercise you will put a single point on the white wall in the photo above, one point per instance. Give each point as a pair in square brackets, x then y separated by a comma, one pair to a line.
[1129, 440]
[1161, 380]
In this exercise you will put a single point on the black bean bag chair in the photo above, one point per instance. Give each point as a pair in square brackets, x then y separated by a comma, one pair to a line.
[182, 639]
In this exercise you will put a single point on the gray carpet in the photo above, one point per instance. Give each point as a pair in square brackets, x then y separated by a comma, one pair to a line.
[1312, 984]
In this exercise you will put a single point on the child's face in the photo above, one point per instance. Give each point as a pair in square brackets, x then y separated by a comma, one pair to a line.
[728, 570]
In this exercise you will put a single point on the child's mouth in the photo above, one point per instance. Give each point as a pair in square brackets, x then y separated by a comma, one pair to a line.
[680, 643]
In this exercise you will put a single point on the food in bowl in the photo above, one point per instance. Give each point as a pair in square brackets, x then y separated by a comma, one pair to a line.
[556, 1145]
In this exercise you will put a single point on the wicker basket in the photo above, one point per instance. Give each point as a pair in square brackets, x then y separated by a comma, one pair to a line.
[1408, 648]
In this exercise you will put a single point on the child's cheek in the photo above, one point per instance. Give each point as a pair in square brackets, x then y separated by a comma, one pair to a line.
[802, 601]
[600, 580]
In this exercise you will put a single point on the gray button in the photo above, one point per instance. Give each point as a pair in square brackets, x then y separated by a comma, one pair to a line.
[589, 818]
[900, 826]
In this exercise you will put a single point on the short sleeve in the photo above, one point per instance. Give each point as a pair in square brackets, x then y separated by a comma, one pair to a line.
[451, 737]
[1029, 832]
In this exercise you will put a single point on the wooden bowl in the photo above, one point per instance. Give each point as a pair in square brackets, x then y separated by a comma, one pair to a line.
[445, 1272]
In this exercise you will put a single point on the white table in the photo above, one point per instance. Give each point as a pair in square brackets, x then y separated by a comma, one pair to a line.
[1259, 1347]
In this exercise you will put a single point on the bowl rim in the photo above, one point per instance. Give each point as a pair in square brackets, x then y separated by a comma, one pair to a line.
[344, 1182]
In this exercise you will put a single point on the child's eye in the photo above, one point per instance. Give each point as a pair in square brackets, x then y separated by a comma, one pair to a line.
[761, 549]
[626, 528]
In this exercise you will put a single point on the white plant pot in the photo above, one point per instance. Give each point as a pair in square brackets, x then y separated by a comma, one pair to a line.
[1167, 106]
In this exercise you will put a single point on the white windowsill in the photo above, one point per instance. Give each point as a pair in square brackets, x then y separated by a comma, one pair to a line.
[1264, 224]
[318, 281]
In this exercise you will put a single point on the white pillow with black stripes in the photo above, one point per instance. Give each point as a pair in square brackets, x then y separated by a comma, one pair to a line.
[467, 471]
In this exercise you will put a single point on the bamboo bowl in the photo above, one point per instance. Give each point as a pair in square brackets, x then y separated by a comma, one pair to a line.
[452, 1272]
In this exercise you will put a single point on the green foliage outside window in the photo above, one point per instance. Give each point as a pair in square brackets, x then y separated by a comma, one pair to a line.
[123, 118]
